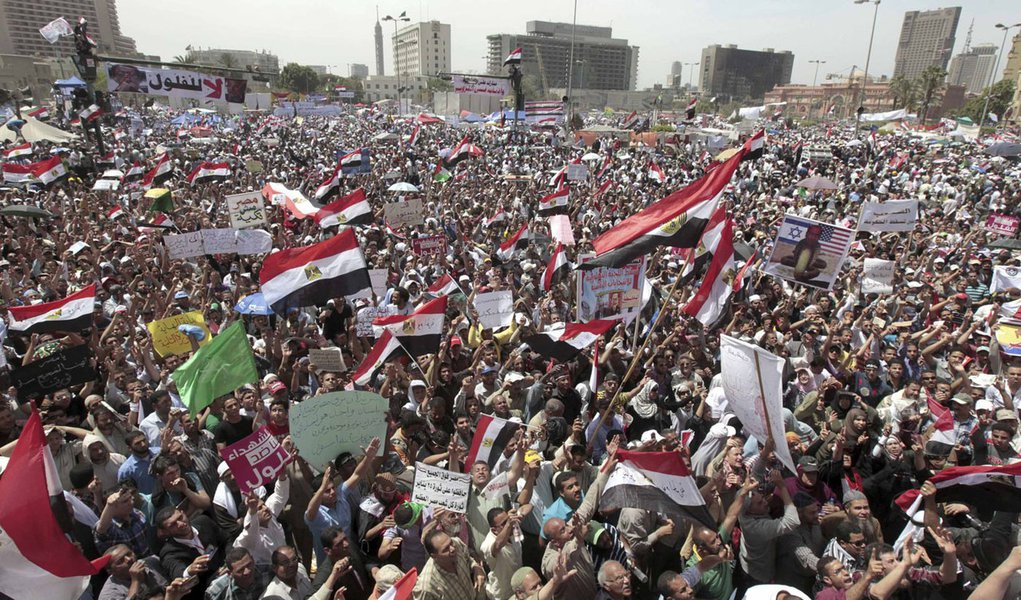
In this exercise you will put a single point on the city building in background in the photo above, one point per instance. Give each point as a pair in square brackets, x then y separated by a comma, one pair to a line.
[376, 87]
[20, 21]
[422, 49]
[601, 62]
[266, 61]
[735, 74]
[676, 77]
[1012, 67]
[973, 68]
[926, 38]
[359, 70]
[377, 36]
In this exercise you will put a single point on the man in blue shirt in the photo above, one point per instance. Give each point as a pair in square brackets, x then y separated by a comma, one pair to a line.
[136, 467]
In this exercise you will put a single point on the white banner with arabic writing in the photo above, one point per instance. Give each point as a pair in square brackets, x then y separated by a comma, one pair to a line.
[480, 86]
[174, 83]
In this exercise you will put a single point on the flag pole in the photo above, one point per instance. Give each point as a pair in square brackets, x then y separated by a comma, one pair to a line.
[638, 355]
[762, 393]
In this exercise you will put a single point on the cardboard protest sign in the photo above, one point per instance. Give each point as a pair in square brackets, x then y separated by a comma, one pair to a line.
[561, 230]
[167, 340]
[577, 172]
[441, 488]
[365, 316]
[220, 241]
[1002, 224]
[744, 395]
[892, 215]
[877, 276]
[324, 426]
[253, 241]
[400, 214]
[496, 309]
[256, 460]
[327, 359]
[610, 293]
[59, 370]
[430, 245]
[809, 252]
[378, 278]
[246, 210]
[184, 245]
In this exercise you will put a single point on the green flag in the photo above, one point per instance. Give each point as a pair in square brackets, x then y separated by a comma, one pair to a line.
[220, 367]
[162, 200]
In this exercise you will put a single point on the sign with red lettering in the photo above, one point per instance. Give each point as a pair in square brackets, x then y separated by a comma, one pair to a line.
[256, 460]
[1002, 224]
[430, 245]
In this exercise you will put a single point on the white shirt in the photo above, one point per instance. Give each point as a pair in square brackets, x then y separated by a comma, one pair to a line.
[278, 590]
[262, 541]
[502, 565]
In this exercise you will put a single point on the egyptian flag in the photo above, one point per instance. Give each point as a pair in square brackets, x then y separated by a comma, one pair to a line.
[39, 561]
[630, 121]
[134, 173]
[107, 161]
[677, 220]
[656, 173]
[426, 119]
[555, 203]
[655, 481]
[330, 186]
[206, 172]
[163, 171]
[352, 162]
[73, 313]
[313, 275]
[419, 332]
[50, 171]
[710, 302]
[352, 209]
[557, 269]
[414, 133]
[943, 428]
[698, 258]
[161, 221]
[18, 151]
[991, 487]
[444, 286]
[739, 280]
[386, 348]
[91, 113]
[462, 151]
[690, 111]
[514, 58]
[602, 189]
[754, 147]
[564, 341]
[499, 217]
[798, 149]
[42, 113]
[518, 241]
[17, 174]
[492, 434]
[115, 212]
[402, 588]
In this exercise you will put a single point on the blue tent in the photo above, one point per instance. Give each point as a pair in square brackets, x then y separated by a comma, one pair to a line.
[71, 81]
[187, 119]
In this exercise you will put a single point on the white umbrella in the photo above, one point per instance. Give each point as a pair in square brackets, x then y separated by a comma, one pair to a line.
[402, 186]
[591, 156]
[623, 155]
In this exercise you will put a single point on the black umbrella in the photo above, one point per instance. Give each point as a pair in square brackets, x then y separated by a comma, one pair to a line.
[23, 210]
[1004, 149]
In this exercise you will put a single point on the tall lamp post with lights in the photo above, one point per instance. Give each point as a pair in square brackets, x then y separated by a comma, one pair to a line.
[996, 67]
[402, 17]
[868, 58]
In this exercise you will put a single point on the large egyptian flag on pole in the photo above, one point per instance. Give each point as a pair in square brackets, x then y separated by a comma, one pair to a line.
[991, 487]
[17, 174]
[557, 269]
[50, 171]
[754, 147]
[518, 241]
[689, 112]
[37, 560]
[352, 209]
[73, 313]
[491, 437]
[677, 220]
[419, 332]
[386, 348]
[444, 286]
[313, 275]
[655, 481]
[564, 341]
[710, 302]
[18, 151]
[330, 186]
[462, 151]
[702, 254]
[206, 172]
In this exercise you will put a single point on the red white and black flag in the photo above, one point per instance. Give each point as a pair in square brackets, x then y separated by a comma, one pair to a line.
[564, 341]
[689, 112]
[134, 173]
[313, 275]
[414, 134]
[631, 121]
[206, 172]
[386, 348]
[18, 174]
[699, 257]
[991, 487]
[557, 270]
[655, 481]
[656, 174]
[464, 150]
[518, 241]
[677, 220]
[754, 147]
[163, 171]
[710, 302]
[492, 434]
[42, 113]
[444, 286]
[49, 172]
[419, 332]
[18, 151]
[91, 113]
[73, 313]
[352, 209]
[555, 203]
[514, 58]
[330, 186]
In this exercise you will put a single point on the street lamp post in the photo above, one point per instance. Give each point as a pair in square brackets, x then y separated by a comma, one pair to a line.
[402, 17]
[868, 59]
[996, 67]
[691, 72]
[815, 78]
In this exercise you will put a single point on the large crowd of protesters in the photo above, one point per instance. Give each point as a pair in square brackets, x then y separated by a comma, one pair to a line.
[147, 486]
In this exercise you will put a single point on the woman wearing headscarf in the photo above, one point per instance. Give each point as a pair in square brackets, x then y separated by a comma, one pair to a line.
[893, 474]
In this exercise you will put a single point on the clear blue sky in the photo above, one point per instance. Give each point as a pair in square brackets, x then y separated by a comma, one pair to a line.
[339, 32]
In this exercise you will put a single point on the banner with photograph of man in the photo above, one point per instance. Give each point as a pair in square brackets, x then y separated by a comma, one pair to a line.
[174, 83]
[809, 252]
[610, 293]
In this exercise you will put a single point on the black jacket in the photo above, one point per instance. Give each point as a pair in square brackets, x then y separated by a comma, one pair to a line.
[175, 556]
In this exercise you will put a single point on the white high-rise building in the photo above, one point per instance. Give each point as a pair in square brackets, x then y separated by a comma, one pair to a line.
[973, 69]
[422, 49]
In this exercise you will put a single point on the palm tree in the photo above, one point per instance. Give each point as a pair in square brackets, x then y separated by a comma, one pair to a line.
[181, 59]
[228, 61]
[930, 83]
[904, 93]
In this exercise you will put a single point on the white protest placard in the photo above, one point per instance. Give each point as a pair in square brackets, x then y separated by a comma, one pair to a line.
[220, 241]
[106, 185]
[400, 214]
[246, 210]
[184, 245]
[365, 316]
[877, 276]
[497, 487]
[892, 215]
[743, 396]
[577, 172]
[496, 309]
[327, 359]
[253, 241]
[378, 278]
[324, 426]
[441, 488]
[560, 229]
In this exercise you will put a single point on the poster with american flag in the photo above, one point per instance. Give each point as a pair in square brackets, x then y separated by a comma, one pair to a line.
[809, 252]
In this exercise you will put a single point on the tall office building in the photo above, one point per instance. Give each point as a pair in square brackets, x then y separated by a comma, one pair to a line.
[359, 70]
[743, 74]
[422, 49]
[973, 68]
[600, 61]
[926, 39]
[378, 36]
[20, 21]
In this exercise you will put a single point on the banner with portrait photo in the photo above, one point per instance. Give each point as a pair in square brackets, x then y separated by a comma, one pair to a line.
[610, 293]
[809, 252]
[174, 83]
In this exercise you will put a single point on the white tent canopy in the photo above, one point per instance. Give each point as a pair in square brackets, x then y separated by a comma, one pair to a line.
[35, 130]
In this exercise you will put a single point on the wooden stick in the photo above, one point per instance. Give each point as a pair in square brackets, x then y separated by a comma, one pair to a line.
[762, 393]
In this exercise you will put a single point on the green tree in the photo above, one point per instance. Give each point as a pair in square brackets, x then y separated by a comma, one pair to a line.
[298, 78]
[1000, 95]
[929, 84]
[228, 61]
[181, 59]
[904, 92]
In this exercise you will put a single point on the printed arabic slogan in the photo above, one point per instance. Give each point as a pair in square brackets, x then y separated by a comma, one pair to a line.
[892, 215]
[56, 371]
[441, 488]
[174, 83]
[255, 460]
[809, 252]
[246, 210]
